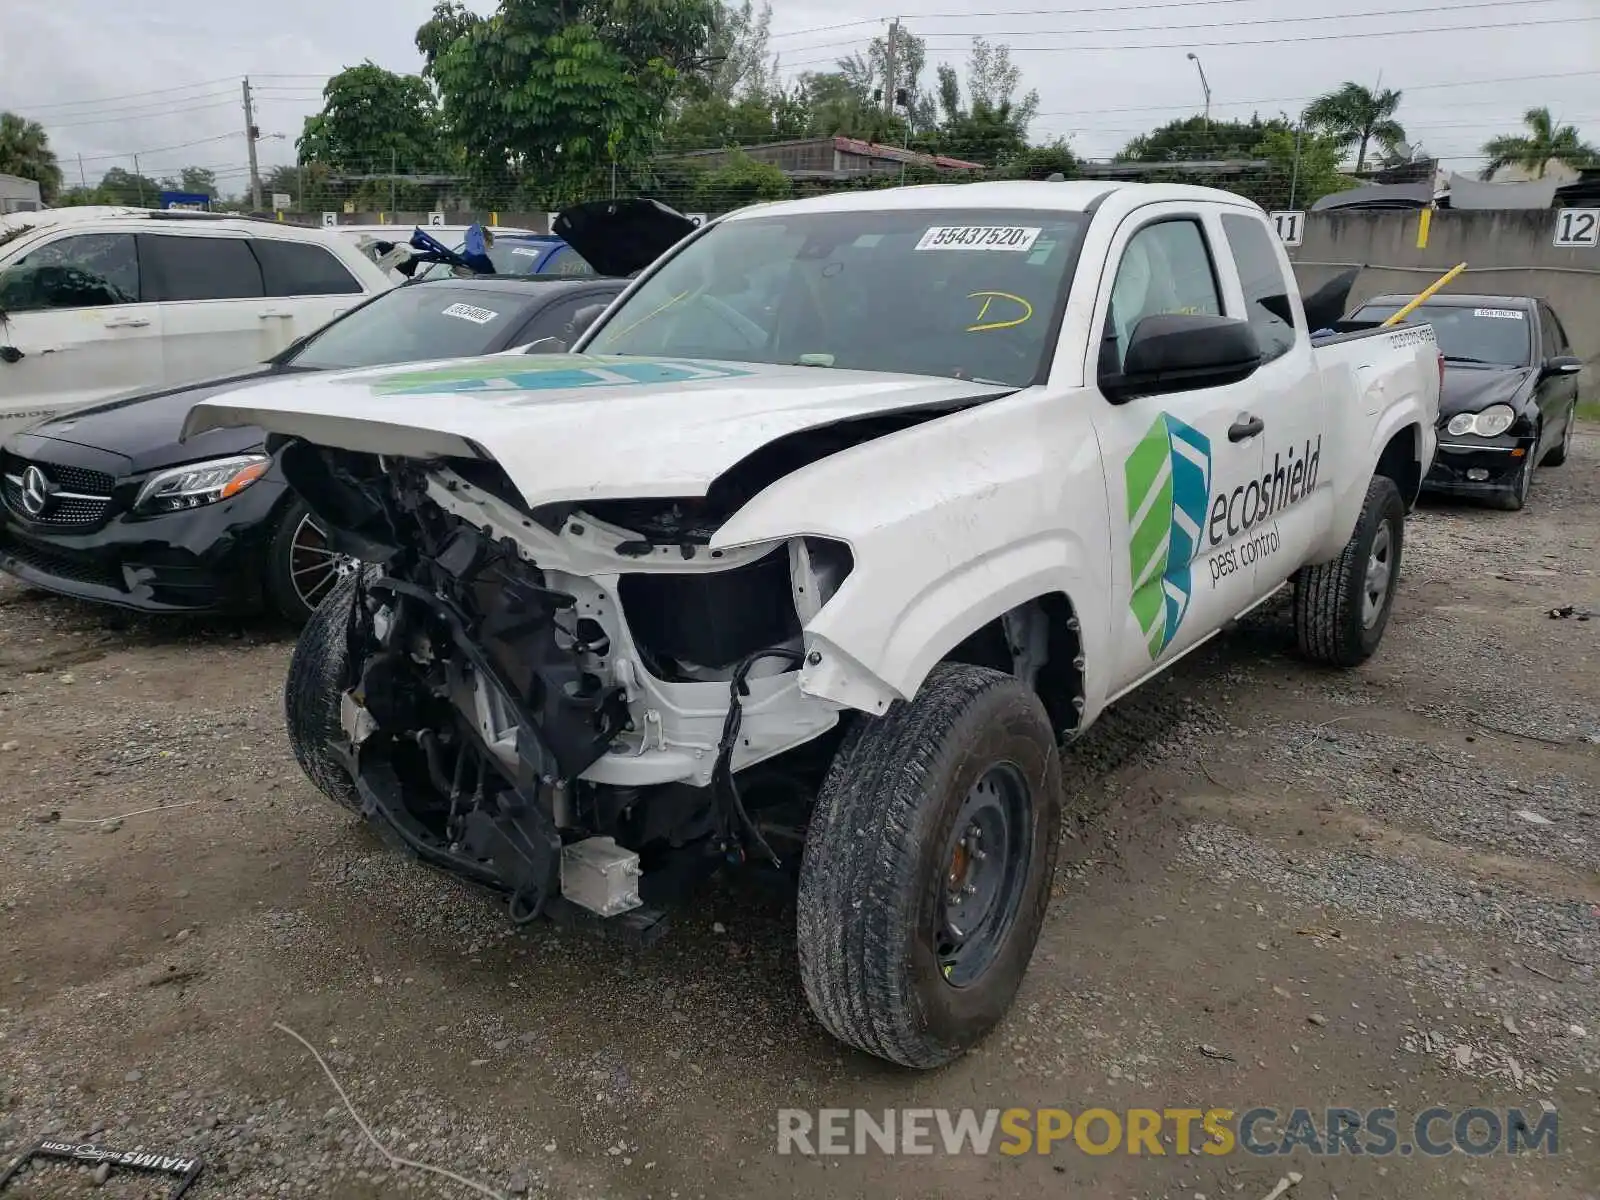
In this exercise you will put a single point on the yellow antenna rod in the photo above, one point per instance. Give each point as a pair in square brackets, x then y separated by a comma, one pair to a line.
[1423, 295]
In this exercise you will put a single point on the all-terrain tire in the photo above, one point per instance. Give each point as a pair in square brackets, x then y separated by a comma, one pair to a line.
[1329, 622]
[873, 872]
[1558, 454]
[311, 696]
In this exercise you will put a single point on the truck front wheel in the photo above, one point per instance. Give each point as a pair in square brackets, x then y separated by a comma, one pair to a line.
[1341, 607]
[928, 866]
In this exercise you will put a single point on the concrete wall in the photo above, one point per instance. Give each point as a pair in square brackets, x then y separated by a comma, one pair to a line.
[1505, 252]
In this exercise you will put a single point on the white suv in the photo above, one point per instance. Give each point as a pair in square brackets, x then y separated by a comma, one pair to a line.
[98, 301]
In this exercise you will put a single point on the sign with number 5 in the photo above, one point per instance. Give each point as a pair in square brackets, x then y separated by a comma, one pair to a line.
[1577, 227]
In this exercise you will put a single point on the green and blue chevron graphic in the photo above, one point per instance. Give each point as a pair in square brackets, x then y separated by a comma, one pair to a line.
[1169, 486]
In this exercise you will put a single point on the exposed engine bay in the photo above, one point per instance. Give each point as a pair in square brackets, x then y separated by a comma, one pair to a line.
[581, 707]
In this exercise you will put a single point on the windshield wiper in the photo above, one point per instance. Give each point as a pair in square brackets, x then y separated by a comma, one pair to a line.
[1464, 358]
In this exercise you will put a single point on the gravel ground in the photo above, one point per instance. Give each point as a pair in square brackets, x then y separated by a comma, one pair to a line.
[1373, 888]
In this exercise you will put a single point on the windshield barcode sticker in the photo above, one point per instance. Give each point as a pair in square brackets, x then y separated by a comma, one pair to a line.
[1505, 314]
[468, 312]
[979, 237]
[523, 250]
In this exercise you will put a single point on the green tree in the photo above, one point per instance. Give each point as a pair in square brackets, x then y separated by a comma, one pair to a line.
[1041, 162]
[25, 152]
[195, 180]
[742, 181]
[1303, 169]
[544, 96]
[1354, 116]
[991, 128]
[374, 120]
[1543, 144]
[1195, 138]
[121, 186]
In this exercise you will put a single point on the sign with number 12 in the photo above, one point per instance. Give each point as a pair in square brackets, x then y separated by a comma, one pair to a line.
[1578, 227]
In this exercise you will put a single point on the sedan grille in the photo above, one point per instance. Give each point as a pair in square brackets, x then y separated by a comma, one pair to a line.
[72, 497]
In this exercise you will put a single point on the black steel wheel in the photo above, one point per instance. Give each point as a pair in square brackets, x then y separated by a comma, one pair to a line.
[927, 868]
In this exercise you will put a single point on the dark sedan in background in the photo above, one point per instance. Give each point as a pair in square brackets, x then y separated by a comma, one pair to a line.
[1510, 391]
[106, 504]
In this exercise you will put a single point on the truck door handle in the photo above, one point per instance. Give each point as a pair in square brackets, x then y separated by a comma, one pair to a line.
[1245, 427]
[272, 313]
[126, 322]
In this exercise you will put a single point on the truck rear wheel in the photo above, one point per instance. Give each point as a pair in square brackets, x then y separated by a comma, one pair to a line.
[928, 865]
[1342, 607]
[311, 695]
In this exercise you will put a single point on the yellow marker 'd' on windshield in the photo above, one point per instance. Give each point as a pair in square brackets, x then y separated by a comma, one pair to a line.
[622, 333]
[980, 325]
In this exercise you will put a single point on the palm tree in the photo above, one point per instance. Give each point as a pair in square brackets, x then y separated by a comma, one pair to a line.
[1545, 144]
[25, 151]
[1357, 116]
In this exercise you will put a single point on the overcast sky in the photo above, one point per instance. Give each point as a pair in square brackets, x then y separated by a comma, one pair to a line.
[160, 78]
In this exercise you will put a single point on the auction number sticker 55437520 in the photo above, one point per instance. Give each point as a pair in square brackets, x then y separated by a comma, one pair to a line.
[1017, 238]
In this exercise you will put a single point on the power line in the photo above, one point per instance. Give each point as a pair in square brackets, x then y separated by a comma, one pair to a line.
[103, 101]
[221, 137]
[990, 34]
[144, 116]
[1407, 89]
[1328, 37]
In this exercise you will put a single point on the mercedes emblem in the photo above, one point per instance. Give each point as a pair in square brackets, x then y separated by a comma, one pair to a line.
[35, 491]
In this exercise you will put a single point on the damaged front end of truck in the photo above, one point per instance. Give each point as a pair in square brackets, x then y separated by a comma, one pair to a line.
[584, 706]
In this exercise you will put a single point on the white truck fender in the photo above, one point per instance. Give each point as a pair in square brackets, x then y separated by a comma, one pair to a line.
[943, 524]
[1390, 400]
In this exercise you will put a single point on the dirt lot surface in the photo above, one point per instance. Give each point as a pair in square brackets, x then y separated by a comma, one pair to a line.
[1370, 889]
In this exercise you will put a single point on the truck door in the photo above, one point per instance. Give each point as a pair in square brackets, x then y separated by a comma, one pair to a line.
[1183, 469]
[1297, 493]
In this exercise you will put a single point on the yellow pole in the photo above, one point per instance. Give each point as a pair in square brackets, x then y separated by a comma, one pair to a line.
[1423, 295]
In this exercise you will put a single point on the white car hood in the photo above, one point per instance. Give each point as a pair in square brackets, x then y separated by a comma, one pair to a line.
[575, 427]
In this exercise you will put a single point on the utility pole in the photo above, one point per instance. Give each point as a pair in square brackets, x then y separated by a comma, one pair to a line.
[251, 133]
[139, 175]
[889, 66]
[83, 180]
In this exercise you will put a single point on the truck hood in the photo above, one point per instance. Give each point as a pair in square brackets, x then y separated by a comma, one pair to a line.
[577, 427]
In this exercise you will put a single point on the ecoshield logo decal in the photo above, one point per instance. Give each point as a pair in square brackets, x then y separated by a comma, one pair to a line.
[1169, 489]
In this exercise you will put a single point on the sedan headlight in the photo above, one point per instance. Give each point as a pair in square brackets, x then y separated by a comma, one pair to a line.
[1494, 420]
[200, 483]
[1491, 422]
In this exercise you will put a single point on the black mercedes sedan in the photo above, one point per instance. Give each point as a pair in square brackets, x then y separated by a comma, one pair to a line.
[105, 503]
[1510, 391]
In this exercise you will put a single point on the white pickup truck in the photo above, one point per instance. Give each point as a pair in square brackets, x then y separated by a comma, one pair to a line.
[844, 517]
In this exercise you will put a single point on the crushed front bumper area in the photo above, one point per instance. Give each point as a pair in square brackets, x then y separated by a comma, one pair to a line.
[1476, 466]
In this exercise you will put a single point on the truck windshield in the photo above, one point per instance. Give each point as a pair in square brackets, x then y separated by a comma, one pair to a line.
[1497, 336]
[966, 294]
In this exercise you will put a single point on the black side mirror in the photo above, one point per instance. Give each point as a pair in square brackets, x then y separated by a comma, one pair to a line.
[1562, 364]
[1177, 352]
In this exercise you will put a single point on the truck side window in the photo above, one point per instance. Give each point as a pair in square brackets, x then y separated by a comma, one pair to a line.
[1265, 291]
[1166, 268]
